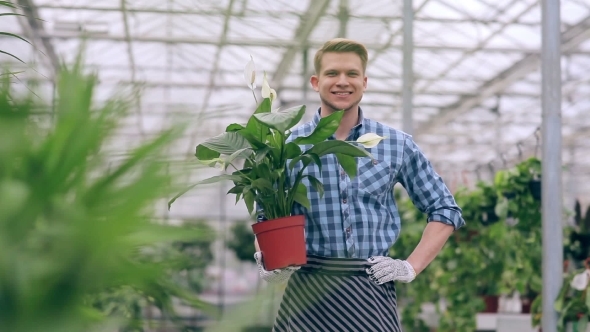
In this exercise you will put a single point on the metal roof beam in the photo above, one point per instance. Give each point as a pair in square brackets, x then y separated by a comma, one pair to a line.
[281, 13]
[571, 38]
[307, 23]
[297, 88]
[38, 30]
[279, 43]
[481, 44]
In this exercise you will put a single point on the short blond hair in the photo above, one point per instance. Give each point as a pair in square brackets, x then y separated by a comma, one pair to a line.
[341, 45]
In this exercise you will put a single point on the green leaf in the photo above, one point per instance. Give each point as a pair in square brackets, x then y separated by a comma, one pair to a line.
[305, 159]
[260, 154]
[7, 4]
[316, 184]
[254, 127]
[14, 56]
[325, 128]
[234, 127]
[588, 298]
[501, 208]
[262, 183]
[15, 36]
[236, 189]
[214, 179]
[558, 305]
[136, 156]
[204, 153]
[261, 171]
[292, 150]
[337, 146]
[282, 120]
[241, 153]
[277, 173]
[316, 159]
[11, 14]
[249, 200]
[226, 143]
[561, 322]
[348, 163]
[301, 196]
[255, 142]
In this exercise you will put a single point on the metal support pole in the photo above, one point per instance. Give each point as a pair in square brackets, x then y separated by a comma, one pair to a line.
[551, 173]
[408, 70]
[305, 79]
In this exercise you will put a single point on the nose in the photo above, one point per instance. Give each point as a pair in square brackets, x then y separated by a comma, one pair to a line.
[342, 81]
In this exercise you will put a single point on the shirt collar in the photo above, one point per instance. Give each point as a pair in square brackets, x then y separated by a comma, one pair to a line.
[355, 131]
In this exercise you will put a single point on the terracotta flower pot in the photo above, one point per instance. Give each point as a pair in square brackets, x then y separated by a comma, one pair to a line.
[282, 241]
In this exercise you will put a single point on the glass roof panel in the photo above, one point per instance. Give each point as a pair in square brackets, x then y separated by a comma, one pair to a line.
[177, 51]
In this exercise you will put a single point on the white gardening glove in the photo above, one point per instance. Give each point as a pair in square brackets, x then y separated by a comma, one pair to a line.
[385, 269]
[275, 276]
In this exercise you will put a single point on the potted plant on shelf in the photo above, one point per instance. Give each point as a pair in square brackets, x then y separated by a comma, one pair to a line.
[573, 301]
[265, 177]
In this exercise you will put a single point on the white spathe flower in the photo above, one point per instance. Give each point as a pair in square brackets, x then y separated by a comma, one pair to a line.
[266, 91]
[369, 140]
[580, 281]
[250, 74]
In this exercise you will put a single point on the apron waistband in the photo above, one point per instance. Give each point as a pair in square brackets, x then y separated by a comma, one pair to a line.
[337, 266]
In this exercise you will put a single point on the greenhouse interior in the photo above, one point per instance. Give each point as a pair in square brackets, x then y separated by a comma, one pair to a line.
[104, 103]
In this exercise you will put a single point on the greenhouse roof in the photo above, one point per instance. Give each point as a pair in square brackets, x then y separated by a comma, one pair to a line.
[477, 79]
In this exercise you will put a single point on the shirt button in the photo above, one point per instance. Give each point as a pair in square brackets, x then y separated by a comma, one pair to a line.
[344, 201]
[343, 173]
[375, 162]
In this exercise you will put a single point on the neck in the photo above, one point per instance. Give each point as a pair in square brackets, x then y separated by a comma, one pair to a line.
[349, 120]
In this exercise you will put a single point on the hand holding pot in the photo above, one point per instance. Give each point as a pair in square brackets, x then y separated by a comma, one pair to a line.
[275, 276]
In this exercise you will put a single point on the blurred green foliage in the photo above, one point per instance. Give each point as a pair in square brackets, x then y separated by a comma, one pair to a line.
[498, 252]
[76, 226]
[242, 241]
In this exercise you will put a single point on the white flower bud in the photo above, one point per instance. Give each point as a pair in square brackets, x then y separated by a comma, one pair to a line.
[580, 281]
[250, 74]
[369, 140]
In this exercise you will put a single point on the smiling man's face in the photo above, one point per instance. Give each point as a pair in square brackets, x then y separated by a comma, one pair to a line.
[341, 81]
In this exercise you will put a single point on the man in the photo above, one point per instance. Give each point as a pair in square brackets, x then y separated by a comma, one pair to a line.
[348, 283]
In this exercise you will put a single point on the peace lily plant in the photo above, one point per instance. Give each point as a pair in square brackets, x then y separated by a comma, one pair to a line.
[267, 155]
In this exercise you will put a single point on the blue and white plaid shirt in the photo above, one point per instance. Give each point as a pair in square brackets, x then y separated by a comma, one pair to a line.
[358, 218]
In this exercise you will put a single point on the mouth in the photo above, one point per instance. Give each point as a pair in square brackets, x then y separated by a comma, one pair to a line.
[341, 93]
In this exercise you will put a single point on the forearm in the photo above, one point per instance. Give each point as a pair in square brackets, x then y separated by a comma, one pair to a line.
[433, 239]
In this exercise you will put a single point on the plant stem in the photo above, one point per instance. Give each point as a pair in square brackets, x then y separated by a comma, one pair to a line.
[254, 94]
[239, 171]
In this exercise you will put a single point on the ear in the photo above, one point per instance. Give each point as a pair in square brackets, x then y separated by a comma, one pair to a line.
[365, 83]
[314, 80]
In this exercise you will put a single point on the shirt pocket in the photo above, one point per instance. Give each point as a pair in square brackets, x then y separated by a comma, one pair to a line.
[374, 176]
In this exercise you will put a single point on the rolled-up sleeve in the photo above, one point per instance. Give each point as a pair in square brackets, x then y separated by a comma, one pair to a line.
[426, 188]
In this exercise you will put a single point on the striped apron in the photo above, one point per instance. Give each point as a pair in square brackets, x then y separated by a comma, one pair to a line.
[336, 294]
